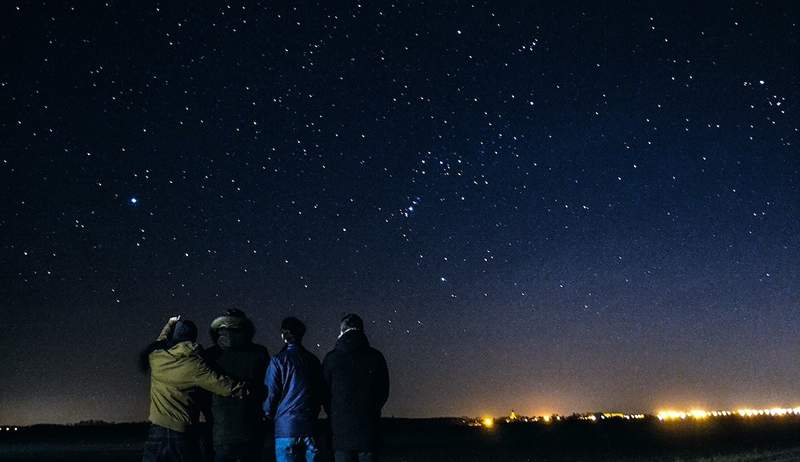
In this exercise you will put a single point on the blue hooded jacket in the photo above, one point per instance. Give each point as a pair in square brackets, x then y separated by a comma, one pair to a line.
[295, 390]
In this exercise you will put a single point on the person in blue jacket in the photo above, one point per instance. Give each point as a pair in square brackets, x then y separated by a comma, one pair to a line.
[294, 396]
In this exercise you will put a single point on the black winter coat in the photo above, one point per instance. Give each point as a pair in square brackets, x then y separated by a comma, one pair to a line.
[357, 381]
[237, 421]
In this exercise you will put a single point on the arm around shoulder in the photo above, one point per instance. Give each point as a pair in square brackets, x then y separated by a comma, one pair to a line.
[210, 380]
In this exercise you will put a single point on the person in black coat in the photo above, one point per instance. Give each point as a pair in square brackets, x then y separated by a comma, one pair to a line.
[357, 382]
[237, 432]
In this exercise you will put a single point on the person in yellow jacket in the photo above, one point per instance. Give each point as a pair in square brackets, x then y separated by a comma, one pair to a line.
[177, 370]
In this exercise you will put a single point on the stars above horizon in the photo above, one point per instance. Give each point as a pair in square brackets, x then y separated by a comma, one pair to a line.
[601, 177]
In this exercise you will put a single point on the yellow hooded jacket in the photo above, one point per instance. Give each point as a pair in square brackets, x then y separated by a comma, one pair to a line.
[174, 373]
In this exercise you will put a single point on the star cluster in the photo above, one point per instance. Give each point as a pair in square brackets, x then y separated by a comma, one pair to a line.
[544, 207]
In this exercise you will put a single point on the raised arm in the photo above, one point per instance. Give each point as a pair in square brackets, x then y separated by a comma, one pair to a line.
[168, 327]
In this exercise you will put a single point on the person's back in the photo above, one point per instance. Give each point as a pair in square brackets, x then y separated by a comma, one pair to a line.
[357, 382]
[175, 375]
[177, 370]
[237, 430]
[294, 386]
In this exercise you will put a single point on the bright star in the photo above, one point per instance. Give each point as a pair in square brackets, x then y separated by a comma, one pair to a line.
[134, 200]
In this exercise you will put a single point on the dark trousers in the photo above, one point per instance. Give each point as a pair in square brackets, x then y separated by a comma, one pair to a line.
[165, 445]
[355, 456]
[243, 452]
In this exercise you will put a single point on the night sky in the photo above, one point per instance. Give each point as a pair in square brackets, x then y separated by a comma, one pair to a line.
[552, 208]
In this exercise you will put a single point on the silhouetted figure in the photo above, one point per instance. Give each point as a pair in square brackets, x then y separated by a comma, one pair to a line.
[237, 430]
[176, 370]
[294, 386]
[357, 382]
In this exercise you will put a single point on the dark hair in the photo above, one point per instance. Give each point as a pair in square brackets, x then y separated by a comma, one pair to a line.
[293, 329]
[352, 321]
[184, 331]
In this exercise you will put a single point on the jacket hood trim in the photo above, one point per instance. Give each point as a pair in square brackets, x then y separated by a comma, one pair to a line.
[230, 322]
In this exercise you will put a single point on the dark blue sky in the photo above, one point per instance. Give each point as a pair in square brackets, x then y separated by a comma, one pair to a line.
[552, 208]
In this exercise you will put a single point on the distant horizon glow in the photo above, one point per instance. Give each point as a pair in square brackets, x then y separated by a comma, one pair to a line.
[664, 414]
[543, 208]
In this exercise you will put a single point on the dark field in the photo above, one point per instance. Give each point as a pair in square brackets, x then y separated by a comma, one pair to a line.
[727, 440]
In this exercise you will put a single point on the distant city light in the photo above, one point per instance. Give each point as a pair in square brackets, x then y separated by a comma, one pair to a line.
[699, 414]
[668, 415]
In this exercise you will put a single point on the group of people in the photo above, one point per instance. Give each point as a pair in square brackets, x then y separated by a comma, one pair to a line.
[243, 393]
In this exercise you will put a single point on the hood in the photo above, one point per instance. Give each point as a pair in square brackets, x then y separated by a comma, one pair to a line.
[351, 341]
[236, 330]
[181, 349]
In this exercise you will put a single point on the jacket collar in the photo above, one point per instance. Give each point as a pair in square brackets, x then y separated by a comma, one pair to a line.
[352, 340]
[293, 346]
[184, 349]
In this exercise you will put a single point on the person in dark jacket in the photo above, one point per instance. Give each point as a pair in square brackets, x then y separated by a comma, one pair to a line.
[294, 386]
[237, 430]
[357, 385]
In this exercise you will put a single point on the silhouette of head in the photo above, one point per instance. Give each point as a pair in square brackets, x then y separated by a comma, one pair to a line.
[350, 322]
[232, 320]
[292, 330]
[184, 331]
[235, 313]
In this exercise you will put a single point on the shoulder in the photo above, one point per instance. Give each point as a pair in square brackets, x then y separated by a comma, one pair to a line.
[261, 350]
[277, 357]
[195, 350]
[186, 349]
[310, 355]
[376, 354]
[195, 355]
[331, 356]
[212, 351]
